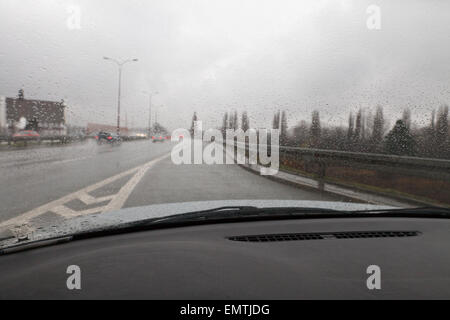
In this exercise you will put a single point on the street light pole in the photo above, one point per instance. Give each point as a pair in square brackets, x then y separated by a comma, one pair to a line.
[120, 64]
[150, 110]
[156, 113]
[118, 100]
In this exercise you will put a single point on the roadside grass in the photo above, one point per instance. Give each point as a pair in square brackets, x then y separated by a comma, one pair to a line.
[419, 197]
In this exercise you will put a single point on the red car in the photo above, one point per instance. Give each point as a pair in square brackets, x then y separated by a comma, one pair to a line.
[159, 138]
[26, 135]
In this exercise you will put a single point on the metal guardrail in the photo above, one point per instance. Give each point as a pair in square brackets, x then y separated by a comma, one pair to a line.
[423, 167]
[52, 139]
[60, 137]
[66, 139]
[332, 155]
[430, 178]
[426, 167]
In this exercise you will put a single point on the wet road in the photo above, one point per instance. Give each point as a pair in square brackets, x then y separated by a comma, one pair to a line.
[44, 185]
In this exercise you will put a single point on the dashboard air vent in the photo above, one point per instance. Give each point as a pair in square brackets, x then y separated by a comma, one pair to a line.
[325, 236]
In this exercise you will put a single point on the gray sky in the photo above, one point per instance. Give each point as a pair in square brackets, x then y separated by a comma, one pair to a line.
[211, 56]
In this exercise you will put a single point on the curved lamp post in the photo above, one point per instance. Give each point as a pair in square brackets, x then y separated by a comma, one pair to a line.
[120, 64]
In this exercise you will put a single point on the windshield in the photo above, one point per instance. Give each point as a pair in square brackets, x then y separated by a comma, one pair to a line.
[112, 105]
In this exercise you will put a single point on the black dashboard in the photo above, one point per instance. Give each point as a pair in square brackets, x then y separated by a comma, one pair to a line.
[289, 259]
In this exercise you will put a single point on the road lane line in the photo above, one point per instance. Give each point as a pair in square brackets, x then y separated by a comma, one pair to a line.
[69, 213]
[81, 194]
[89, 200]
[121, 197]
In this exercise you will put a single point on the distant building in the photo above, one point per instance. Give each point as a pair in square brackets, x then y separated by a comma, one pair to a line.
[45, 117]
[97, 127]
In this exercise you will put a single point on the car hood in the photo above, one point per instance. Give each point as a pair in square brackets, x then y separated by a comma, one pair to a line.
[116, 219]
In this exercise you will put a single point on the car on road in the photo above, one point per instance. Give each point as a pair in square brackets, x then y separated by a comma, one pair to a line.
[108, 138]
[159, 138]
[26, 135]
[92, 136]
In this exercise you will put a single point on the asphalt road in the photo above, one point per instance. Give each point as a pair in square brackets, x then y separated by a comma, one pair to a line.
[44, 185]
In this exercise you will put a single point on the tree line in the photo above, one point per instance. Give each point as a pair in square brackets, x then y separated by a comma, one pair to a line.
[365, 132]
[371, 133]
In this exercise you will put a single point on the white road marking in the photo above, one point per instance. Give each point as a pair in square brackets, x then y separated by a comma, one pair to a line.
[117, 200]
[18, 163]
[88, 199]
[69, 213]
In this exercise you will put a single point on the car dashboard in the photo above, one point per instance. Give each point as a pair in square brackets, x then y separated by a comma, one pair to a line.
[288, 259]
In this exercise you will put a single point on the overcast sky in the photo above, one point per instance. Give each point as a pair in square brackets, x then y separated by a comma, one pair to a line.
[211, 56]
